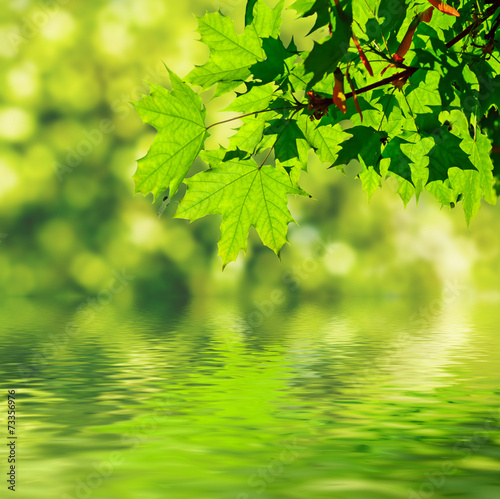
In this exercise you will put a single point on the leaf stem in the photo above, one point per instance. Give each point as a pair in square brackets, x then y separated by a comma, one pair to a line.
[301, 106]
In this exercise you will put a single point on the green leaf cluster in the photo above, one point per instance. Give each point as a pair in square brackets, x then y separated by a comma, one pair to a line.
[427, 119]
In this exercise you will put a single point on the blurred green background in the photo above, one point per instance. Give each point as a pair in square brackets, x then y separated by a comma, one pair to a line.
[372, 346]
[67, 210]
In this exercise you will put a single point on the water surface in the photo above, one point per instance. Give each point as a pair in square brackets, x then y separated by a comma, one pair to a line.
[359, 399]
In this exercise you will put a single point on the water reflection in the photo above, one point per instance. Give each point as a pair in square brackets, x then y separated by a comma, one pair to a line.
[357, 399]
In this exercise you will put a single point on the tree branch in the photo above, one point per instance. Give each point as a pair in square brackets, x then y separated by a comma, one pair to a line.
[409, 71]
[390, 79]
[489, 12]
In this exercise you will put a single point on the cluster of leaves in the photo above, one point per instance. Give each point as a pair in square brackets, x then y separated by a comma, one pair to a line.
[427, 122]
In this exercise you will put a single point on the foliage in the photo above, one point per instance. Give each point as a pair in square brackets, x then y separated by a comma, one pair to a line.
[423, 85]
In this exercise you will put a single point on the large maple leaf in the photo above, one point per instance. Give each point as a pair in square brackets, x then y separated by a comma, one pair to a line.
[246, 195]
[180, 120]
[232, 54]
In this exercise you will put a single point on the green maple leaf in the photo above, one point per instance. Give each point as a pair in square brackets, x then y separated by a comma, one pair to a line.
[466, 182]
[405, 190]
[475, 184]
[294, 166]
[266, 22]
[370, 179]
[489, 94]
[245, 195]
[388, 104]
[364, 144]
[409, 162]
[277, 62]
[442, 192]
[179, 118]
[479, 151]
[422, 99]
[430, 121]
[443, 62]
[389, 17]
[285, 134]
[325, 57]
[257, 98]
[249, 135]
[321, 8]
[325, 137]
[232, 54]
[249, 11]
[399, 161]
[446, 154]
[224, 87]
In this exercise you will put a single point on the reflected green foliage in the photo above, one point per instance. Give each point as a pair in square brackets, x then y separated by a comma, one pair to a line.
[359, 399]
